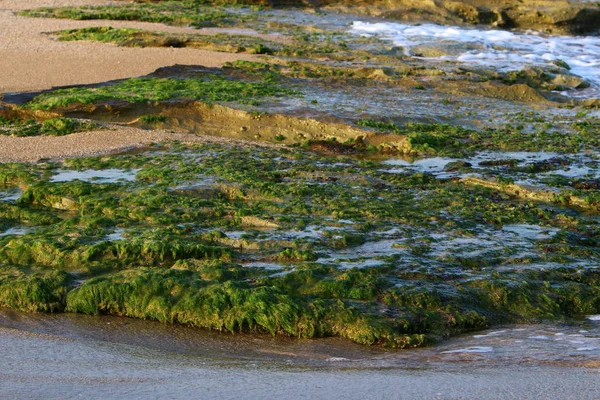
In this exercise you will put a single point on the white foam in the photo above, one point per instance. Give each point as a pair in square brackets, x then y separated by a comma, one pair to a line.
[593, 317]
[503, 50]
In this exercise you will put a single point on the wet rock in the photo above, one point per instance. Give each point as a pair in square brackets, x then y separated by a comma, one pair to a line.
[591, 184]
[499, 163]
[198, 190]
[561, 64]
[444, 48]
[552, 16]
[331, 148]
[382, 74]
[457, 166]
[64, 203]
[545, 78]
[589, 103]
[519, 92]
[568, 82]
[556, 17]
[395, 51]
[530, 193]
[480, 73]
[546, 165]
[258, 222]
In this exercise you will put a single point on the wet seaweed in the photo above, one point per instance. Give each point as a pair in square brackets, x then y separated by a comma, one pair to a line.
[317, 254]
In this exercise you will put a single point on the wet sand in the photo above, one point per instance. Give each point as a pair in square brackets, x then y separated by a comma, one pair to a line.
[74, 356]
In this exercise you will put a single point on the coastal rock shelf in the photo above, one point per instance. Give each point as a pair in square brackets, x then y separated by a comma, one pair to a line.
[311, 174]
[285, 241]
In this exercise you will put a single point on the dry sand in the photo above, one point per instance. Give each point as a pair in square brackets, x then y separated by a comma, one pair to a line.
[31, 60]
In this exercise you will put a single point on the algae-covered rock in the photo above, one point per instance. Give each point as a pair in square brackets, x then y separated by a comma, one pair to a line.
[519, 92]
[64, 203]
[258, 222]
[568, 82]
[444, 48]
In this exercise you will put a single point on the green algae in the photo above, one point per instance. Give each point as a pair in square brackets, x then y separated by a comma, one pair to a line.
[137, 90]
[37, 291]
[48, 127]
[166, 12]
[138, 38]
[173, 260]
[300, 46]
[330, 246]
[454, 140]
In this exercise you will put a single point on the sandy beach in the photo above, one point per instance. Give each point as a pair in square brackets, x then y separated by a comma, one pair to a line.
[93, 143]
[32, 60]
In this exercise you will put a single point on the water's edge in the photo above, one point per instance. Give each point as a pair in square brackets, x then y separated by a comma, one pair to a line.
[69, 355]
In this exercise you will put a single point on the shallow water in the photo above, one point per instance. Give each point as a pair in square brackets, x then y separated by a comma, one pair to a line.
[73, 356]
[533, 232]
[582, 165]
[97, 176]
[117, 234]
[17, 230]
[11, 195]
[500, 49]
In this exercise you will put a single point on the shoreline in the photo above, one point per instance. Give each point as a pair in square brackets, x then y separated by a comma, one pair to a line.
[99, 361]
[361, 249]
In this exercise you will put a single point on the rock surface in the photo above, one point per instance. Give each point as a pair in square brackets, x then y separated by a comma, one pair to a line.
[551, 16]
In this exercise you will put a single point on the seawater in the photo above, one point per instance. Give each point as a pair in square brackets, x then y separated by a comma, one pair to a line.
[500, 49]
[75, 356]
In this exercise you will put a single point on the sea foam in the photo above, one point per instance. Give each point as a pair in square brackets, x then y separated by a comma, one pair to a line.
[503, 50]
